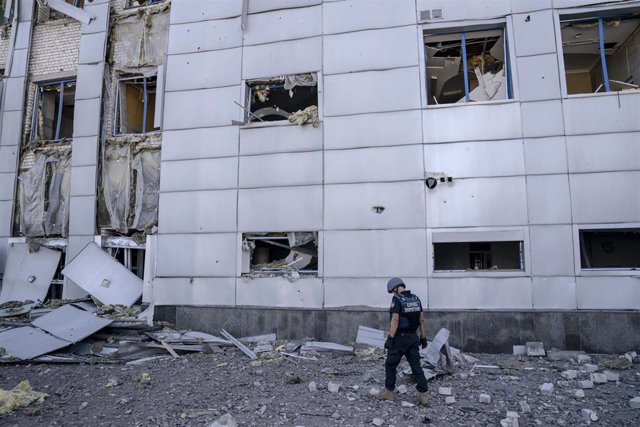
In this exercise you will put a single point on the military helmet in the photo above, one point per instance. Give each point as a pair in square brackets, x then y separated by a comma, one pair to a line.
[394, 283]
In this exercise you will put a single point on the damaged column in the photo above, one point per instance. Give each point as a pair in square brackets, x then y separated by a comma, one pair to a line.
[86, 133]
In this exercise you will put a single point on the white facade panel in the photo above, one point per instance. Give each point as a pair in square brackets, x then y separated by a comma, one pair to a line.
[605, 197]
[100, 22]
[196, 255]
[371, 50]
[538, 77]
[6, 211]
[83, 210]
[612, 112]
[372, 91]
[197, 212]
[545, 155]
[460, 10]
[195, 291]
[83, 180]
[200, 143]
[519, 6]
[275, 59]
[403, 204]
[284, 24]
[542, 118]
[604, 153]
[13, 94]
[472, 122]
[608, 293]
[257, 6]
[548, 199]
[551, 250]
[354, 15]
[371, 130]
[374, 164]
[281, 169]
[279, 292]
[184, 11]
[280, 209]
[478, 202]
[274, 139]
[202, 108]
[201, 70]
[203, 36]
[554, 293]
[201, 174]
[375, 253]
[534, 33]
[7, 181]
[84, 151]
[11, 131]
[92, 48]
[370, 292]
[475, 159]
[86, 120]
[8, 158]
[90, 78]
[480, 293]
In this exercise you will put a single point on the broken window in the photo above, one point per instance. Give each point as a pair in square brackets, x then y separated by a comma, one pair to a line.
[293, 98]
[467, 67]
[138, 3]
[47, 13]
[129, 251]
[291, 255]
[6, 11]
[464, 256]
[612, 248]
[135, 105]
[53, 111]
[601, 53]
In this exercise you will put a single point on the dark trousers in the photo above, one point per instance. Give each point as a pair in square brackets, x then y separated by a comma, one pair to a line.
[404, 345]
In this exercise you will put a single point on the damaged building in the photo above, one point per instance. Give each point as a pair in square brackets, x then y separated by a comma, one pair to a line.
[282, 159]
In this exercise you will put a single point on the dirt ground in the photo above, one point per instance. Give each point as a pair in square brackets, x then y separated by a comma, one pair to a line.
[197, 389]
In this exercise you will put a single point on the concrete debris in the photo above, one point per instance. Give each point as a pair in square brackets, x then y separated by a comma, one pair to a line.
[485, 398]
[370, 336]
[511, 420]
[557, 355]
[589, 415]
[21, 395]
[402, 389]
[612, 376]
[598, 378]
[312, 387]
[586, 384]
[546, 388]
[570, 374]
[333, 387]
[377, 422]
[225, 421]
[578, 393]
[535, 348]
[406, 404]
[519, 350]
[583, 358]
[635, 403]
[590, 368]
[445, 391]
[326, 347]
[524, 406]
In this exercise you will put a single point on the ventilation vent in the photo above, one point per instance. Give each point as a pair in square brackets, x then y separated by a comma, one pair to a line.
[427, 15]
[436, 13]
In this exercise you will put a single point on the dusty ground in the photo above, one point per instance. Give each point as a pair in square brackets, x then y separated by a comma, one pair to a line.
[197, 389]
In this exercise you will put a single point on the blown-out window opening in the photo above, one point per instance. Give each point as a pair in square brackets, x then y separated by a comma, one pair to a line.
[54, 106]
[134, 110]
[288, 254]
[478, 256]
[610, 248]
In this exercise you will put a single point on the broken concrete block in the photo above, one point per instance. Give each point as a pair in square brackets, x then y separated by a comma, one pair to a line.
[583, 358]
[485, 398]
[445, 391]
[578, 393]
[450, 400]
[312, 386]
[535, 348]
[635, 403]
[519, 350]
[557, 355]
[588, 367]
[546, 388]
[377, 422]
[406, 404]
[374, 391]
[512, 418]
[333, 387]
[598, 378]
[402, 389]
[571, 374]
[612, 376]
[589, 415]
[224, 421]
[524, 406]
[585, 384]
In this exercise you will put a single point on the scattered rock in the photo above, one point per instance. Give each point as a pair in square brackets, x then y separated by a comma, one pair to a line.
[589, 415]
[635, 403]
[450, 400]
[511, 420]
[546, 388]
[588, 367]
[312, 387]
[225, 421]
[598, 378]
[578, 393]
[445, 391]
[571, 374]
[583, 358]
[485, 398]
[374, 391]
[377, 422]
[402, 389]
[519, 350]
[406, 404]
[524, 406]
[535, 349]
[612, 376]
[585, 384]
[333, 387]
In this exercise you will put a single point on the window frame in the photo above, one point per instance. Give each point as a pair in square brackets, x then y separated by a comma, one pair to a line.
[619, 271]
[480, 234]
[128, 5]
[590, 14]
[452, 28]
[36, 109]
[145, 115]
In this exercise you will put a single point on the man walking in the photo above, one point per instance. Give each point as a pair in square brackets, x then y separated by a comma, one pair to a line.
[406, 317]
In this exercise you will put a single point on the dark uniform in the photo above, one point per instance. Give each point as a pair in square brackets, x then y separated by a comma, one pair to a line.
[405, 340]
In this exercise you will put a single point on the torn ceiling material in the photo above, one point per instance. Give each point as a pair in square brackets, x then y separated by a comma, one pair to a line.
[103, 277]
[28, 274]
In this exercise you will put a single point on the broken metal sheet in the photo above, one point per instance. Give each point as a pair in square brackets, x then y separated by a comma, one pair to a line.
[258, 338]
[70, 10]
[370, 336]
[28, 274]
[432, 352]
[70, 323]
[103, 277]
[203, 337]
[320, 346]
[28, 342]
[238, 344]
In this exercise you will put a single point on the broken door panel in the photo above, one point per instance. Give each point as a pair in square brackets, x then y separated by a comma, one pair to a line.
[103, 277]
[27, 342]
[70, 323]
[28, 274]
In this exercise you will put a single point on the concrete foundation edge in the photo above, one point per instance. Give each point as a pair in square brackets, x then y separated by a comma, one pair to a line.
[472, 331]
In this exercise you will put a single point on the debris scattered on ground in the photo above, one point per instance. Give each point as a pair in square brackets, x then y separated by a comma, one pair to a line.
[21, 395]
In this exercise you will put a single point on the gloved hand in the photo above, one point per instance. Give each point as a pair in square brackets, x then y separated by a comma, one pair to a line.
[388, 343]
[423, 342]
